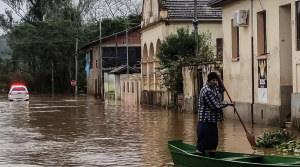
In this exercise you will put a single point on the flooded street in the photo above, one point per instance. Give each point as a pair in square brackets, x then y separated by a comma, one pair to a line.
[65, 131]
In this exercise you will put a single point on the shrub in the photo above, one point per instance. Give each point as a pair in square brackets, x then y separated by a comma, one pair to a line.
[270, 140]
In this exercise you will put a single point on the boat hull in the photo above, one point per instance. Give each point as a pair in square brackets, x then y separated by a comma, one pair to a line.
[184, 155]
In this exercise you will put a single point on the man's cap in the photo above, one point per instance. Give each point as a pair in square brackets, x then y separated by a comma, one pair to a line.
[212, 75]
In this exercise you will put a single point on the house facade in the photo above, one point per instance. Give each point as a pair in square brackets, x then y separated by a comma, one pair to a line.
[261, 59]
[113, 55]
[113, 79]
[161, 18]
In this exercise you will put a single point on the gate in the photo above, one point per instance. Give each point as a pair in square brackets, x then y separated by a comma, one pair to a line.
[199, 80]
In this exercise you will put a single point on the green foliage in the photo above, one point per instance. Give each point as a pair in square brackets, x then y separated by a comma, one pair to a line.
[175, 46]
[36, 46]
[110, 26]
[6, 21]
[179, 49]
[6, 69]
[5, 51]
[21, 77]
[289, 147]
[266, 140]
[270, 140]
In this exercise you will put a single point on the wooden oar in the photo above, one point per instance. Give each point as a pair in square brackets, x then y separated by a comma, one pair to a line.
[250, 137]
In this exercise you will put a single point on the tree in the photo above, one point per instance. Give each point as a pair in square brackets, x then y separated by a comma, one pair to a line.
[40, 45]
[5, 70]
[179, 49]
[47, 33]
[37, 10]
[115, 8]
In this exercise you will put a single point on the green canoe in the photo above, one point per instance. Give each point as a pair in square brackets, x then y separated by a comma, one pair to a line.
[184, 155]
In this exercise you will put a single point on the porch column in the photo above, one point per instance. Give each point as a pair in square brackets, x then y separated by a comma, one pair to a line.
[126, 90]
[148, 76]
[154, 76]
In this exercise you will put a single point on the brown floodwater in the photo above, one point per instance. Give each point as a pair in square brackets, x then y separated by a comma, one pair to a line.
[82, 131]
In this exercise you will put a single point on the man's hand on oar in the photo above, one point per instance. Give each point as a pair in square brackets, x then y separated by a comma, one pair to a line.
[232, 104]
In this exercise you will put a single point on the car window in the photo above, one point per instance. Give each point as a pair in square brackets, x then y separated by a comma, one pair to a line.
[18, 89]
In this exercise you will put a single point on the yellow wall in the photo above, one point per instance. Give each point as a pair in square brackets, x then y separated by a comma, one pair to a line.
[151, 35]
[159, 32]
[215, 28]
[237, 75]
[150, 12]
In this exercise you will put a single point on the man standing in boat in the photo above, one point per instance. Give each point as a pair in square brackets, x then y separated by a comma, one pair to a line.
[210, 112]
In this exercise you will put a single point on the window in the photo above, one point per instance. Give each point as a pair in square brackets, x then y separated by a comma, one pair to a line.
[18, 89]
[298, 24]
[219, 47]
[132, 87]
[91, 59]
[124, 87]
[127, 87]
[261, 33]
[151, 10]
[138, 53]
[235, 37]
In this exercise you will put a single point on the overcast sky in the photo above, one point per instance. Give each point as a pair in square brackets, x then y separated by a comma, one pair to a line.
[2, 9]
[3, 6]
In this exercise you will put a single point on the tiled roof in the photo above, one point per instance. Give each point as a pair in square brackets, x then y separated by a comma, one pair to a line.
[112, 35]
[184, 9]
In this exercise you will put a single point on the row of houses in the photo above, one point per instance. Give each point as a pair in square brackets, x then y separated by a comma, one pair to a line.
[261, 58]
[259, 41]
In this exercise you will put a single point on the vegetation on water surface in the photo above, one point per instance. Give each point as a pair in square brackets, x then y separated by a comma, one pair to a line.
[289, 147]
[281, 140]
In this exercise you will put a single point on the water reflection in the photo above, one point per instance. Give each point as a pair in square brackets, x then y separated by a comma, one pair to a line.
[83, 131]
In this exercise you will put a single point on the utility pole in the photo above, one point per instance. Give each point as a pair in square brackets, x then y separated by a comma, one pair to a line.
[52, 79]
[76, 67]
[117, 61]
[195, 23]
[100, 54]
[127, 71]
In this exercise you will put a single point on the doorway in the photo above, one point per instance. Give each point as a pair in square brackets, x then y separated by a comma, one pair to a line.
[286, 73]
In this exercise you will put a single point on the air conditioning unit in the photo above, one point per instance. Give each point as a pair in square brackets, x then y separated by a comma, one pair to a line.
[240, 18]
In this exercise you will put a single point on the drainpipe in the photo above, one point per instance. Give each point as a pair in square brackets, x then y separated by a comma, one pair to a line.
[252, 61]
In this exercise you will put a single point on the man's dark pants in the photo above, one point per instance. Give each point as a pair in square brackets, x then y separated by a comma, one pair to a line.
[207, 134]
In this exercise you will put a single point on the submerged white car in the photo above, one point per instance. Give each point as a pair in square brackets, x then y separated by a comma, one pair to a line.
[18, 92]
